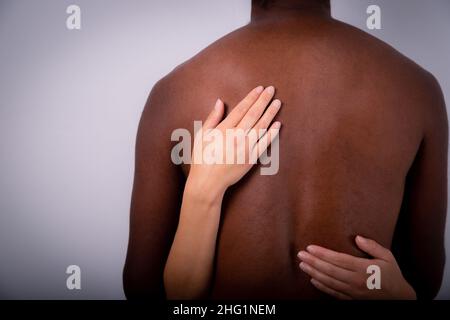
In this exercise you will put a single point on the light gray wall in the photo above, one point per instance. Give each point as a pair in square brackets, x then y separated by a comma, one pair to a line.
[70, 102]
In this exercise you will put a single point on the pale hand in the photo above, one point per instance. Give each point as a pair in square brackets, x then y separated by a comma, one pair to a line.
[247, 123]
[345, 277]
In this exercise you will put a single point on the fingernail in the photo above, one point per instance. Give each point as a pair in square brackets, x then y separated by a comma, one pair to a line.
[276, 125]
[271, 90]
[217, 105]
[259, 89]
[310, 248]
[359, 238]
[276, 103]
[302, 265]
[301, 254]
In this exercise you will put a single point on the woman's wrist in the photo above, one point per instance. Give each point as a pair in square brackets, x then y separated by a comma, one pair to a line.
[203, 192]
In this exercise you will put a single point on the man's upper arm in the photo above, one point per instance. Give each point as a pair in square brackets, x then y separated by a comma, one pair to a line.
[419, 239]
[156, 199]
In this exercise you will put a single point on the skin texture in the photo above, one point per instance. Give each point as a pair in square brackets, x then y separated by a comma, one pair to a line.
[363, 151]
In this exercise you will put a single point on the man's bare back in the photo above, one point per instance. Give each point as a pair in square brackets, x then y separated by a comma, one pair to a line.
[361, 124]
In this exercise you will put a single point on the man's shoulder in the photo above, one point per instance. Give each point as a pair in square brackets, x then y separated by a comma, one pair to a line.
[194, 84]
[191, 87]
[217, 63]
[380, 62]
[373, 53]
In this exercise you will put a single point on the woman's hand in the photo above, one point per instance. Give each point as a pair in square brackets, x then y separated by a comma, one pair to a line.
[188, 270]
[224, 151]
[345, 277]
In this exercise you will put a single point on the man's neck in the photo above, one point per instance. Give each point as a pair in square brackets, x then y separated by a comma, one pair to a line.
[288, 8]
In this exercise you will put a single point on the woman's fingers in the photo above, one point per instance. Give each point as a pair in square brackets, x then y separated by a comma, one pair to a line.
[265, 140]
[343, 275]
[250, 111]
[264, 122]
[374, 249]
[338, 295]
[257, 109]
[215, 116]
[241, 109]
[342, 260]
[324, 279]
[326, 267]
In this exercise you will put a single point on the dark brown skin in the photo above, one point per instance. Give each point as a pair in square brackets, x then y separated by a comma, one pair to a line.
[363, 150]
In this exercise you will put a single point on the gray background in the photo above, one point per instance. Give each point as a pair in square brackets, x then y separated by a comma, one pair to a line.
[70, 102]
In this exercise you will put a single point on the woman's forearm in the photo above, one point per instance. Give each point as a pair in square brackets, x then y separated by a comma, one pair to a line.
[188, 270]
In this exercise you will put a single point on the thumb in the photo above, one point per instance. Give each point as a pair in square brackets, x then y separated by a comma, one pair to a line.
[215, 116]
[373, 248]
